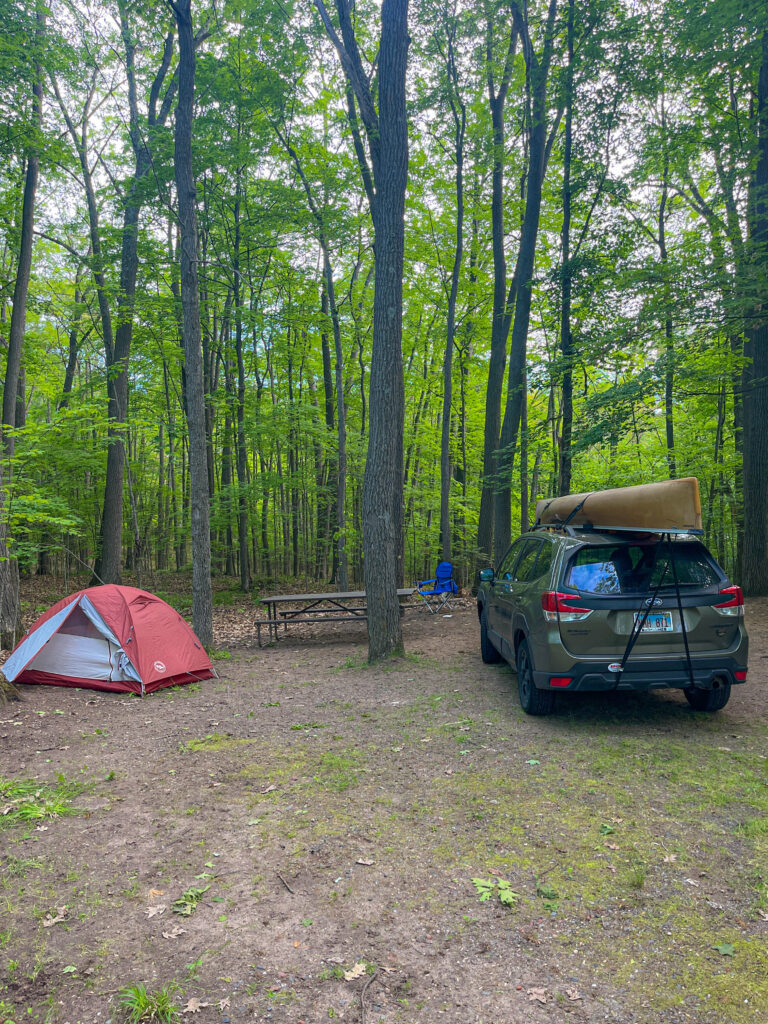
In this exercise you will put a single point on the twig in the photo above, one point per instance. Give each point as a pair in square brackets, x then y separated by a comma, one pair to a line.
[363, 990]
[290, 890]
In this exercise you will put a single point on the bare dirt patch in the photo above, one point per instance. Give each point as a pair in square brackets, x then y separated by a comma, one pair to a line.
[320, 818]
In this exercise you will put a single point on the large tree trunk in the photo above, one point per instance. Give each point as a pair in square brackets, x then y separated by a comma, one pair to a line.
[240, 445]
[755, 391]
[202, 602]
[566, 338]
[501, 302]
[10, 608]
[383, 482]
[387, 131]
[460, 123]
[538, 71]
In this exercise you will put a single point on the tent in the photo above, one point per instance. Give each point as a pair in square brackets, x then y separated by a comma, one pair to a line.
[109, 638]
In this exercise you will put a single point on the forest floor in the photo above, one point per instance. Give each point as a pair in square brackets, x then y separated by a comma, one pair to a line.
[320, 822]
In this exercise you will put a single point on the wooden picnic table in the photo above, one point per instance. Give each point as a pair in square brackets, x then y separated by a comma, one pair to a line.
[338, 606]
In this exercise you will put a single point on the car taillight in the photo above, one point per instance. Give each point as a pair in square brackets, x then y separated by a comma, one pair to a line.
[734, 602]
[740, 675]
[561, 680]
[557, 606]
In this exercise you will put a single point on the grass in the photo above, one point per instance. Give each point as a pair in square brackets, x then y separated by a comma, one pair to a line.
[25, 802]
[143, 1007]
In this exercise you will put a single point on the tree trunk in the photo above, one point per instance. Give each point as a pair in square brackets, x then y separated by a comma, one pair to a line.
[538, 71]
[460, 123]
[501, 304]
[241, 450]
[24, 267]
[755, 391]
[566, 339]
[202, 602]
[387, 131]
[383, 481]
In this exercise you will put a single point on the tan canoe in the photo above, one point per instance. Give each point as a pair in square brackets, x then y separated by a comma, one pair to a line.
[669, 505]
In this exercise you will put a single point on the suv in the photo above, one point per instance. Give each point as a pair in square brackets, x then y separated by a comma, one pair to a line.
[578, 609]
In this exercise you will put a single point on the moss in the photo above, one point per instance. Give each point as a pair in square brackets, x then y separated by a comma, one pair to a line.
[215, 741]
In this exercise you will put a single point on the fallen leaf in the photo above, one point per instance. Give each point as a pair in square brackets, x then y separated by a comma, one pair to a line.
[573, 994]
[154, 893]
[763, 915]
[224, 1004]
[174, 933]
[194, 1006]
[270, 789]
[690, 881]
[537, 995]
[533, 761]
[50, 920]
[725, 949]
[157, 910]
[41, 828]
[365, 863]
[670, 858]
[357, 972]
[611, 846]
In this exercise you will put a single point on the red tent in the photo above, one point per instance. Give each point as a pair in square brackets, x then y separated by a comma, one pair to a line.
[110, 638]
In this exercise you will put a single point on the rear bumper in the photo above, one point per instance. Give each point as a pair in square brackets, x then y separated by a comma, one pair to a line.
[671, 673]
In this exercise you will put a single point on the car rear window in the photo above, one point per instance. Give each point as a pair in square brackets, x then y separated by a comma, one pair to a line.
[638, 568]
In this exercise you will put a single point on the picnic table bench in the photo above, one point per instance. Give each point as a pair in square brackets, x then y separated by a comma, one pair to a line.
[339, 606]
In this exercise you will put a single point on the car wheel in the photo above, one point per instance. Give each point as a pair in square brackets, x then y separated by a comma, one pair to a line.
[709, 700]
[532, 701]
[488, 652]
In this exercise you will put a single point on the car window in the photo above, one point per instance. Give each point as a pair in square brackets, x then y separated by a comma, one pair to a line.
[640, 568]
[525, 568]
[544, 561]
[508, 562]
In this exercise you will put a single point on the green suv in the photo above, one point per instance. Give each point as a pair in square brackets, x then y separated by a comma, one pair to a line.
[577, 609]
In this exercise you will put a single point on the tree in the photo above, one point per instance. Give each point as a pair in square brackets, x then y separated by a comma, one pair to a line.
[202, 611]
[387, 133]
[755, 392]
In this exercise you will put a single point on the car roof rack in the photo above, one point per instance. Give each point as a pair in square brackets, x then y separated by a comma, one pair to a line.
[573, 530]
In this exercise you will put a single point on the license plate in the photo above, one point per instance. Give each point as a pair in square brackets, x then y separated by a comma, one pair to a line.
[656, 622]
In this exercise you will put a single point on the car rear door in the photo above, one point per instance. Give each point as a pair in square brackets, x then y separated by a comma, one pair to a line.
[512, 590]
[620, 583]
[498, 604]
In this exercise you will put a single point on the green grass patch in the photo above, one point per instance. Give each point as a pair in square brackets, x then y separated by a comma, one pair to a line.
[143, 1007]
[23, 802]
[214, 741]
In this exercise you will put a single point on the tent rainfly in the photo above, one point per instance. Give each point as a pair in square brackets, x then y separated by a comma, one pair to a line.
[110, 638]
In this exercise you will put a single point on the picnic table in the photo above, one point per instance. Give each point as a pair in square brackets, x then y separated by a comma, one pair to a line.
[339, 606]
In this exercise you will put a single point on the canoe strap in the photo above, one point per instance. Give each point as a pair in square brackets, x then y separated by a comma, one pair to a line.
[575, 511]
[638, 626]
[688, 662]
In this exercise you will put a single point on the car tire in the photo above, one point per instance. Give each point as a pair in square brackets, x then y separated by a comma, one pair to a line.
[532, 701]
[708, 700]
[488, 652]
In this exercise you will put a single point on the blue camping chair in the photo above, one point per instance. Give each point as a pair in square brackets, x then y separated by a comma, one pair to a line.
[437, 592]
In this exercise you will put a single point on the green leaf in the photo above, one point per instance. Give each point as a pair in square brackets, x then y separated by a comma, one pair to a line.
[725, 949]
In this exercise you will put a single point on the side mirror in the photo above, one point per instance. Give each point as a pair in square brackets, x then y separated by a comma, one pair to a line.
[486, 575]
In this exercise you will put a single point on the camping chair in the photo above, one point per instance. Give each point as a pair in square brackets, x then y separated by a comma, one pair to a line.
[437, 592]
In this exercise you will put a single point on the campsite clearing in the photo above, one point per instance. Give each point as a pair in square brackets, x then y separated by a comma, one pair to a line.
[310, 838]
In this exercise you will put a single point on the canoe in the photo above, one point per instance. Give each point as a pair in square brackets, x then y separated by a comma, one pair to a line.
[670, 505]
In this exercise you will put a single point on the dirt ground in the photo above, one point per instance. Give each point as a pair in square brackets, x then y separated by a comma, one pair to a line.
[332, 817]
